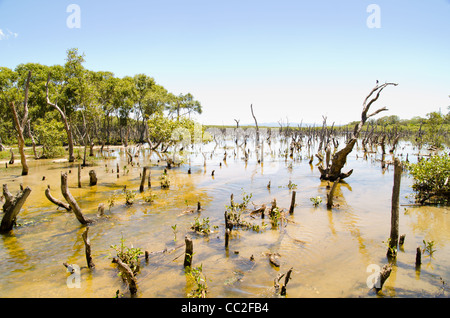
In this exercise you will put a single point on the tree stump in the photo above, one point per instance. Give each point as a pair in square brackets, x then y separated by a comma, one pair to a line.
[144, 174]
[384, 275]
[291, 208]
[189, 251]
[92, 178]
[12, 206]
[79, 175]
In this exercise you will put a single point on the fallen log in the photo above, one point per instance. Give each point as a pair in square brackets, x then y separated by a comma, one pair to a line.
[128, 274]
[12, 206]
[56, 201]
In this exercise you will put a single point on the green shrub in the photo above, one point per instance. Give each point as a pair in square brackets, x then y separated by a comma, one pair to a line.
[432, 179]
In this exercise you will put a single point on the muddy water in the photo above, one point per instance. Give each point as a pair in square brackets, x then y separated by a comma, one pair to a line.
[329, 250]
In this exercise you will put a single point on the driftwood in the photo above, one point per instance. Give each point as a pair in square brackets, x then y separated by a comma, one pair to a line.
[70, 199]
[56, 201]
[87, 245]
[339, 159]
[128, 274]
[276, 282]
[12, 206]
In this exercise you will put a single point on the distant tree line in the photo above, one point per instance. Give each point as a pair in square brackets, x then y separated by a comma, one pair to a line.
[52, 106]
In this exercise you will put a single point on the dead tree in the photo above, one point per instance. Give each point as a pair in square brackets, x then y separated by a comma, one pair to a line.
[339, 159]
[70, 199]
[87, 246]
[20, 126]
[12, 206]
[65, 121]
[56, 201]
[393, 241]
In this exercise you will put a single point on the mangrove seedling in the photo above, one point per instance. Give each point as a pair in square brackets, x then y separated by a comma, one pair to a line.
[202, 226]
[128, 255]
[316, 201]
[200, 288]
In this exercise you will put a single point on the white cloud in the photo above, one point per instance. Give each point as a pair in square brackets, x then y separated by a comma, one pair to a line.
[5, 35]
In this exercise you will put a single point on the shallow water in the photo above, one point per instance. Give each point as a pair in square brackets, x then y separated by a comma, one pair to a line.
[329, 250]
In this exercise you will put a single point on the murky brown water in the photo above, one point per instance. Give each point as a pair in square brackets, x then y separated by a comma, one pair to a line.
[329, 250]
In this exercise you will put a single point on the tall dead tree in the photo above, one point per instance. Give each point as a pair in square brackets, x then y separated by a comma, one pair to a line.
[65, 121]
[339, 159]
[20, 126]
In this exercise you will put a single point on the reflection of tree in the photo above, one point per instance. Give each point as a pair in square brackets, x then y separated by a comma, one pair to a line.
[350, 220]
[431, 222]
[15, 250]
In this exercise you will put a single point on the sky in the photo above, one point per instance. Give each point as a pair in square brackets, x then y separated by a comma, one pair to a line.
[295, 61]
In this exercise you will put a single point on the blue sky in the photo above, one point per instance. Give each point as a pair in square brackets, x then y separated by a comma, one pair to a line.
[293, 60]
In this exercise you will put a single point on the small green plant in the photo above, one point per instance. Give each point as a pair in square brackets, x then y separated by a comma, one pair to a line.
[174, 230]
[245, 200]
[111, 201]
[392, 251]
[316, 201]
[128, 255]
[428, 247]
[200, 288]
[149, 197]
[292, 185]
[202, 226]
[165, 182]
[129, 196]
[275, 216]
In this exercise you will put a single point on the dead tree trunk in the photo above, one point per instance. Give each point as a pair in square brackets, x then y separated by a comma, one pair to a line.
[144, 174]
[384, 275]
[330, 195]
[340, 158]
[56, 201]
[87, 245]
[189, 252]
[393, 242]
[65, 121]
[20, 126]
[12, 206]
[291, 208]
[70, 199]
